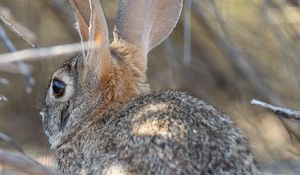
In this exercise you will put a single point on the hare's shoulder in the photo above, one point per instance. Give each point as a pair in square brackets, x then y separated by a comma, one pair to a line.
[174, 116]
[172, 132]
[175, 106]
[167, 114]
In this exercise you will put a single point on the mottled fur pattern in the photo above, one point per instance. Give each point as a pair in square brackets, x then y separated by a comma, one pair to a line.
[106, 121]
[156, 133]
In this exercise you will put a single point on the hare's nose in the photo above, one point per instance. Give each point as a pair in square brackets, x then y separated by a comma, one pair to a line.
[42, 114]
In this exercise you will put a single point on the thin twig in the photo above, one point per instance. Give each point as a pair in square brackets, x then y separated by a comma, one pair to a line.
[18, 29]
[9, 141]
[4, 138]
[43, 53]
[187, 32]
[237, 57]
[28, 78]
[283, 112]
[12, 68]
[22, 164]
[64, 13]
[3, 81]
[3, 98]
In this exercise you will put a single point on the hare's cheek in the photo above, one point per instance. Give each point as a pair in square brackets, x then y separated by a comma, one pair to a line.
[46, 125]
[51, 121]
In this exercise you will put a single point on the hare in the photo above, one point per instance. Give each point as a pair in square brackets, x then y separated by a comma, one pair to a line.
[101, 118]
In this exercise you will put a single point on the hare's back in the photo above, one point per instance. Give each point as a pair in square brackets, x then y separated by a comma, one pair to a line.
[174, 133]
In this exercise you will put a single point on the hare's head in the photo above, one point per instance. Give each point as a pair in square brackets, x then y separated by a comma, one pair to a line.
[106, 73]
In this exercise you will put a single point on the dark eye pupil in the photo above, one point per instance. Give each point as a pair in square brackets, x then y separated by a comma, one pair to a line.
[58, 88]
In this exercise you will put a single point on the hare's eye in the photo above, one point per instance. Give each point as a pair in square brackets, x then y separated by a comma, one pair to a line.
[58, 88]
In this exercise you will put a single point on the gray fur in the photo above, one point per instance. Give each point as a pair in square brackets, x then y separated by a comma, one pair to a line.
[181, 135]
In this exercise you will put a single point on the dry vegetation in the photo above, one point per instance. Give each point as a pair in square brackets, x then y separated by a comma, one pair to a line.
[229, 52]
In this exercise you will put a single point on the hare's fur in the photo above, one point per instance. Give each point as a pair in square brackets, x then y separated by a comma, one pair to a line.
[106, 121]
[157, 133]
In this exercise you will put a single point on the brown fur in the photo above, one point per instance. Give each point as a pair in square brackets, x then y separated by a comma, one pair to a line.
[123, 74]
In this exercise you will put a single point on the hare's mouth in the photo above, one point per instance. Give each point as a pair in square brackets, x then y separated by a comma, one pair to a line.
[42, 114]
[64, 116]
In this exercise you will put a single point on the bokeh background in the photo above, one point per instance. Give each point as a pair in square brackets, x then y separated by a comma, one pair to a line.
[225, 51]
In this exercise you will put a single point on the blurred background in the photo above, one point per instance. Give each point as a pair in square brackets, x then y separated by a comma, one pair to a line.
[225, 51]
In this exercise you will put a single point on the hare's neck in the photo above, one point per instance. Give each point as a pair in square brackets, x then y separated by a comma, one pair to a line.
[126, 78]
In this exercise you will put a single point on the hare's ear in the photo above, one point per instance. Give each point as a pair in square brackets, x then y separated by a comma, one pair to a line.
[92, 27]
[146, 23]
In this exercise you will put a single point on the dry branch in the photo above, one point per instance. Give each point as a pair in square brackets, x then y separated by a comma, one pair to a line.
[283, 112]
[12, 68]
[4, 138]
[3, 98]
[10, 141]
[44, 53]
[3, 81]
[235, 55]
[187, 32]
[28, 78]
[22, 164]
[16, 27]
